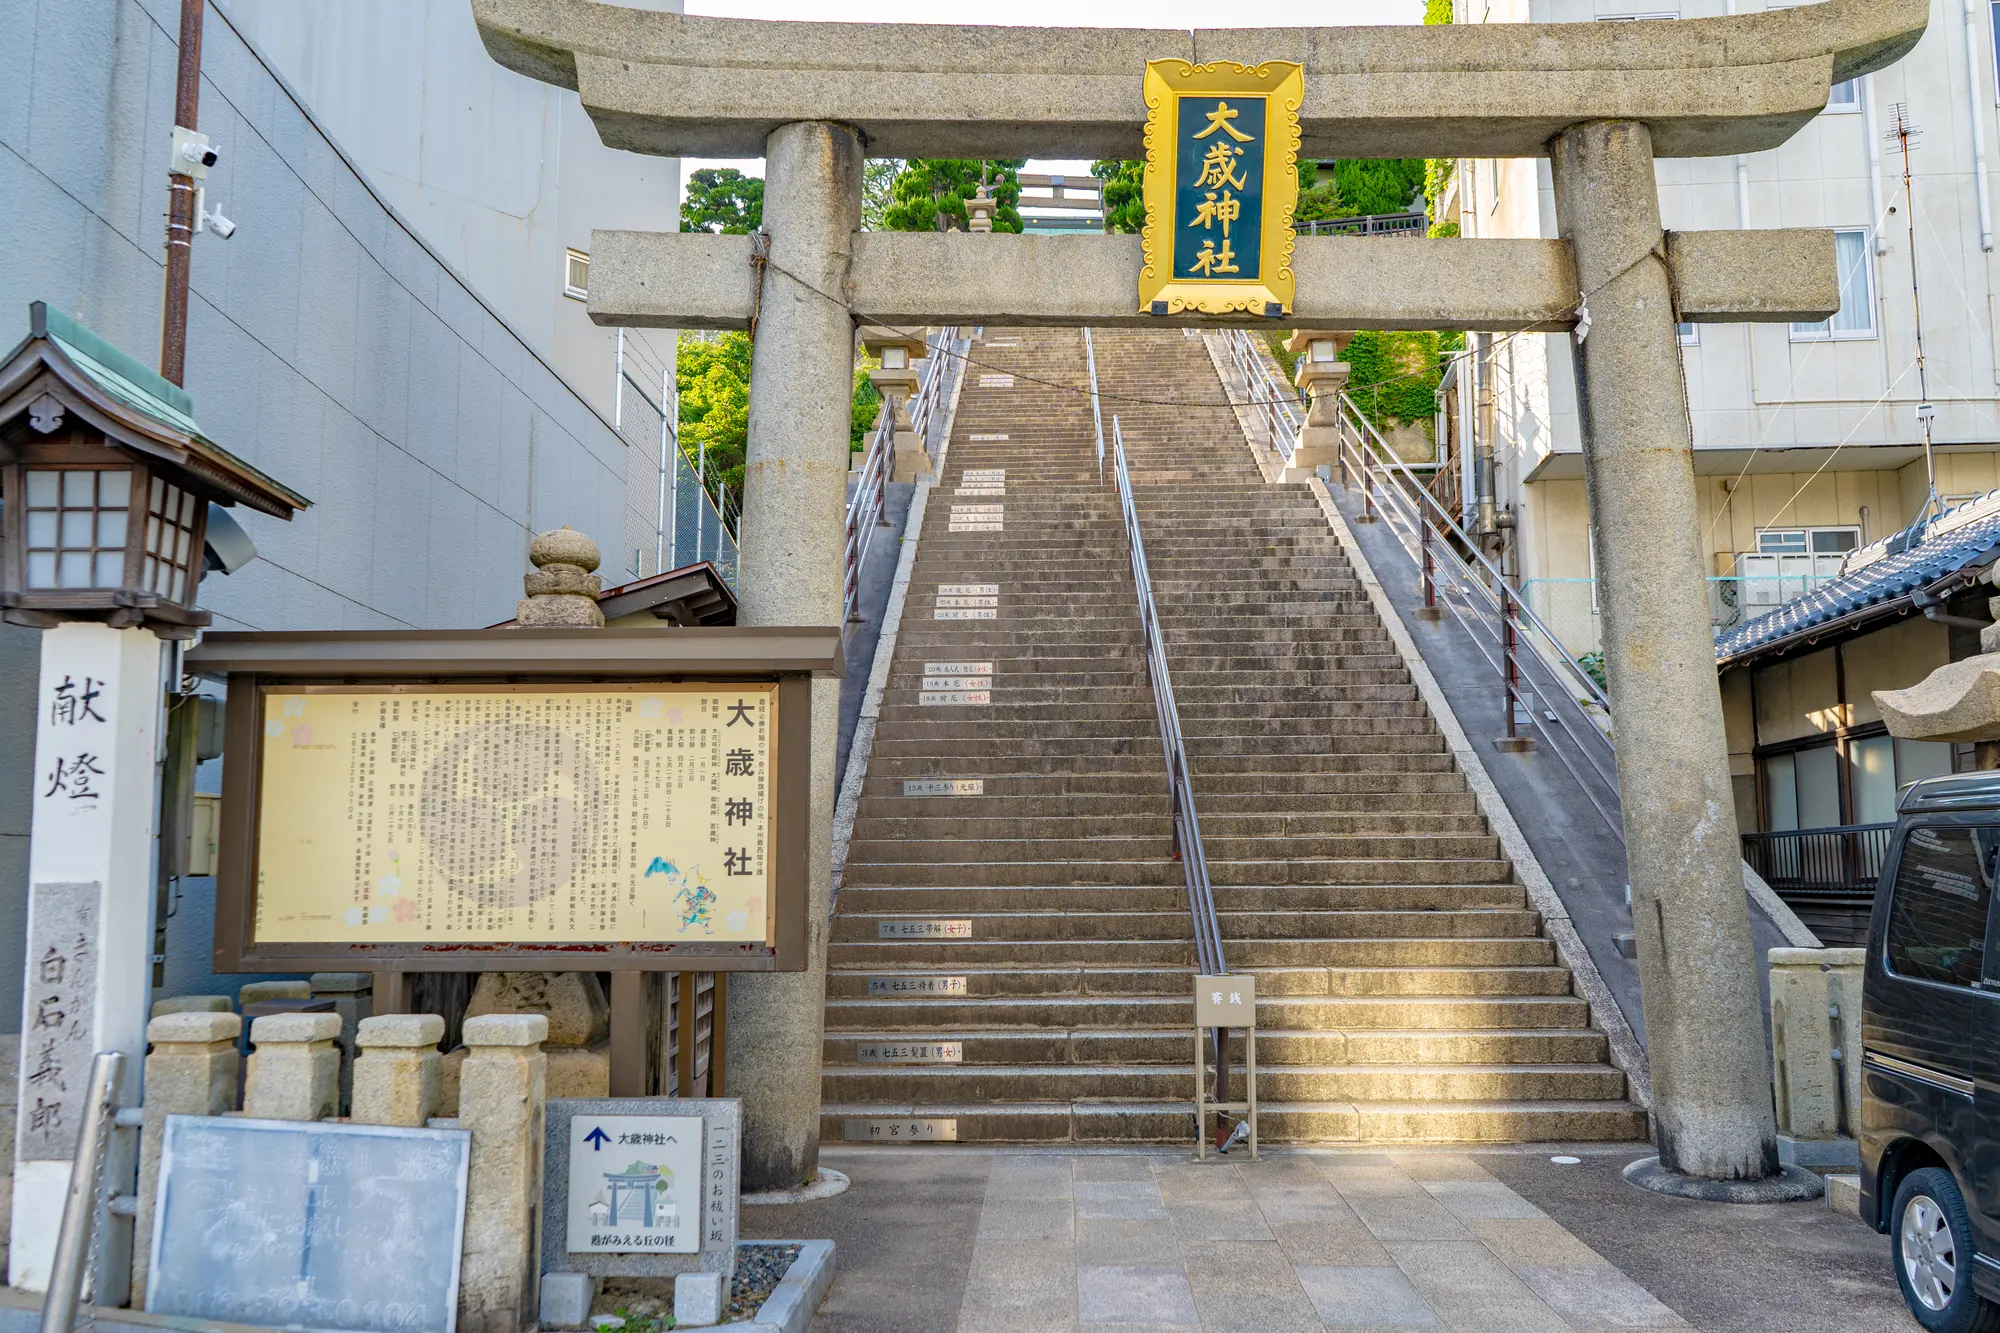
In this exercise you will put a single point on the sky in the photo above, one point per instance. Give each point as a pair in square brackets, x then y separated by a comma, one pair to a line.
[1047, 13]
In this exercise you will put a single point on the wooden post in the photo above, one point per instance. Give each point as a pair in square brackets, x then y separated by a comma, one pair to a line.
[628, 1034]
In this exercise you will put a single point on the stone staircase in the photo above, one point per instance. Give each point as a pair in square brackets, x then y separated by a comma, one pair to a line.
[1016, 958]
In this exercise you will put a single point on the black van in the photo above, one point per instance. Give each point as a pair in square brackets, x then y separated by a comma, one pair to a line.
[1930, 1038]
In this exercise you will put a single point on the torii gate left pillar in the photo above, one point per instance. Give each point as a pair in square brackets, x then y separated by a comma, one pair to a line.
[790, 573]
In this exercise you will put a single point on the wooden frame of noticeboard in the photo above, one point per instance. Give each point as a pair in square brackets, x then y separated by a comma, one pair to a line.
[536, 662]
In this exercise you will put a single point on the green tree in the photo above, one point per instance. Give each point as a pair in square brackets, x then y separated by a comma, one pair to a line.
[1437, 11]
[1123, 192]
[723, 199]
[1394, 374]
[713, 374]
[930, 193]
[1318, 198]
[878, 190]
[1378, 185]
[867, 402]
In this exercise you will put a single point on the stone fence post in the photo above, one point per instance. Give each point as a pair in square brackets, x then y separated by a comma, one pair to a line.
[396, 1077]
[191, 1071]
[502, 1100]
[294, 1069]
[1816, 1040]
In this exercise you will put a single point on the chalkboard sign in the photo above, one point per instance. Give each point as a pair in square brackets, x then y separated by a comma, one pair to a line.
[299, 1225]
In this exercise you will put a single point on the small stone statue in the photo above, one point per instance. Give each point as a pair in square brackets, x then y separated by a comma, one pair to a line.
[561, 589]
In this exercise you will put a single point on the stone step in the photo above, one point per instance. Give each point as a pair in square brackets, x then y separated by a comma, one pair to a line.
[1372, 1123]
[1277, 1083]
[1110, 924]
[1275, 1046]
[1303, 1013]
[945, 900]
[895, 957]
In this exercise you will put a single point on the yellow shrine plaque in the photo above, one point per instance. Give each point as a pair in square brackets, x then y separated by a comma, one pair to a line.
[428, 816]
[1220, 184]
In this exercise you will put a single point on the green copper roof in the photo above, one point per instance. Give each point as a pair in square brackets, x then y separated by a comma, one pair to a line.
[123, 377]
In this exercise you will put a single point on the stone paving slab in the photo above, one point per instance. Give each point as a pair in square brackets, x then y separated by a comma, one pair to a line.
[954, 1239]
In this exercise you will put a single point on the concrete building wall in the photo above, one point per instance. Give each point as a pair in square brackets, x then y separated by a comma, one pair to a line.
[328, 345]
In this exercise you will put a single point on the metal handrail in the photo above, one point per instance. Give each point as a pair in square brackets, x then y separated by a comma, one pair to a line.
[1843, 860]
[1560, 699]
[865, 508]
[1096, 413]
[1276, 403]
[1180, 784]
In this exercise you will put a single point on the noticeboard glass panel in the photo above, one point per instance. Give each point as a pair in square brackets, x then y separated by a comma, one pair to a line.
[428, 816]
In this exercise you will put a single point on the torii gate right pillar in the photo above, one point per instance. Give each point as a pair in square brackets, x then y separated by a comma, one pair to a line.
[1711, 1070]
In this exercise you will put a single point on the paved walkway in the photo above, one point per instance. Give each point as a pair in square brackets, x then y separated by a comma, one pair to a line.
[959, 1240]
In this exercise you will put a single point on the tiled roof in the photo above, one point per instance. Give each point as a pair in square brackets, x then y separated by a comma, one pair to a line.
[1965, 538]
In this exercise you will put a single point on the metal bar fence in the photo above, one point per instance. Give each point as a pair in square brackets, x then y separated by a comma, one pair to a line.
[1838, 861]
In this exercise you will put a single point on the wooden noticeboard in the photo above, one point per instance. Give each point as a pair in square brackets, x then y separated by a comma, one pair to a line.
[604, 800]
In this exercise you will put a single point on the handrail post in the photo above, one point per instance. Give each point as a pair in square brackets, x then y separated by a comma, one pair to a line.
[1367, 486]
[1429, 563]
[80, 1204]
[1510, 669]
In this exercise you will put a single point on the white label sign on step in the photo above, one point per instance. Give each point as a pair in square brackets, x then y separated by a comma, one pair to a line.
[910, 1053]
[993, 473]
[951, 697]
[965, 613]
[968, 589]
[996, 381]
[968, 601]
[930, 928]
[984, 438]
[957, 683]
[958, 668]
[956, 526]
[916, 986]
[956, 510]
[944, 787]
[912, 1129]
[980, 490]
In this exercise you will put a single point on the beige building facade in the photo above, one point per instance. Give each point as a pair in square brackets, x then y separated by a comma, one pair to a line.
[1808, 438]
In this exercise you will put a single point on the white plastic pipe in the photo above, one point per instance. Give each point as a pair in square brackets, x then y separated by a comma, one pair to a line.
[1872, 130]
[1973, 82]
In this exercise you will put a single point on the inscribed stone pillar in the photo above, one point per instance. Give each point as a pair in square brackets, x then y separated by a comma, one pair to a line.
[191, 1071]
[294, 1069]
[396, 1078]
[503, 1097]
[1697, 965]
[794, 507]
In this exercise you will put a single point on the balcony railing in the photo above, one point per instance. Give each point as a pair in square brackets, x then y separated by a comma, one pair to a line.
[1371, 224]
[1820, 862]
[1571, 606]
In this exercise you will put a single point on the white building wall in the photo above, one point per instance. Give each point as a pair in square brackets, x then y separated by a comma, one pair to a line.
[1762, 400]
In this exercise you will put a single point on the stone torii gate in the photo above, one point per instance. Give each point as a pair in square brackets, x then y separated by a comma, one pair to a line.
[1597, 99]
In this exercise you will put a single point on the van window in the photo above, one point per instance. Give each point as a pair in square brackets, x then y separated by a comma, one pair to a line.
[1937, 917]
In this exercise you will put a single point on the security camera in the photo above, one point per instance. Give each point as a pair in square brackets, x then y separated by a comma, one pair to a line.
[221, 225]
[192, 153]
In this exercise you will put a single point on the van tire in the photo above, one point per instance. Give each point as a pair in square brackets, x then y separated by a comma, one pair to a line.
[1929, 1224]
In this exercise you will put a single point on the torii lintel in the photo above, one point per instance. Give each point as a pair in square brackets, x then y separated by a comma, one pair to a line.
[681, 85]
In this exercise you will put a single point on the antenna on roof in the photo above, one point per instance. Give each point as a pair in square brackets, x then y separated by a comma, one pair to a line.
[1905, 135]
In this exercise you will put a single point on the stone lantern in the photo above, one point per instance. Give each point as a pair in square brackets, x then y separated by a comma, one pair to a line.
[107, 482]
[979, 210]
[896, 380]
[1959, 701]
[1322, 375]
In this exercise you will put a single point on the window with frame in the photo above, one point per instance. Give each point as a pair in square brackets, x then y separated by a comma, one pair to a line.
[1689, 333]
[576, 275]
[1938, 907]
[76, 527]
[171, 552]
[1856, 316]
[1846, 96]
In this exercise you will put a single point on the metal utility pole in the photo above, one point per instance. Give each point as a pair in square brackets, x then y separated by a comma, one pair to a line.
[181, 199]
[1904, 135]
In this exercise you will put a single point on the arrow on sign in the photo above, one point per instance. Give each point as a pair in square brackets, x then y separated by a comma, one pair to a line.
[597, 1138]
